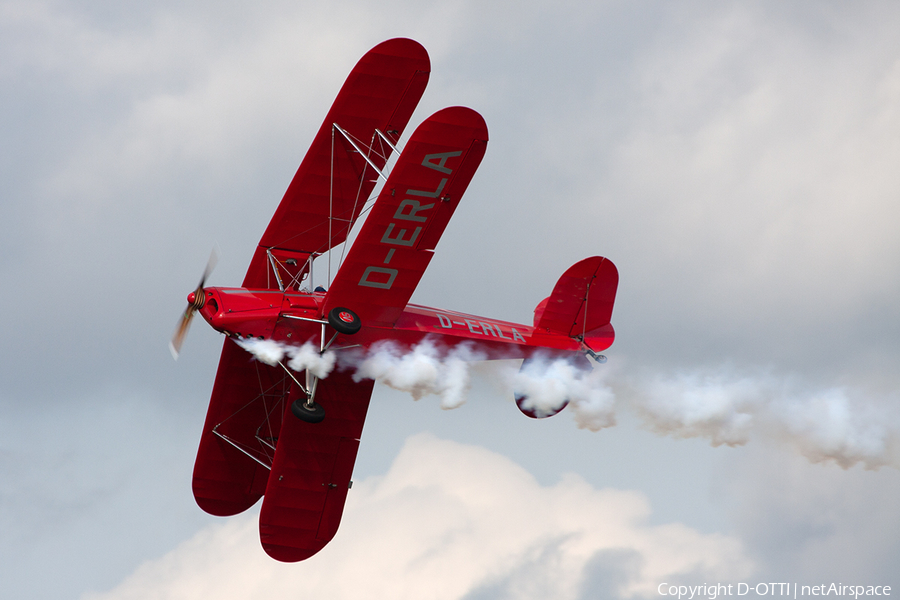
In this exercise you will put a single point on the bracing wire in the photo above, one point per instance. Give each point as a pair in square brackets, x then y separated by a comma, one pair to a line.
[330, 210]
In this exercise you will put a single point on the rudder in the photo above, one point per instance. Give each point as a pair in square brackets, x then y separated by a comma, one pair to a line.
[581, 303]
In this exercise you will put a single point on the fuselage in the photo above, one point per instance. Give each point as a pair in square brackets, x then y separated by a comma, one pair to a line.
[294, 318]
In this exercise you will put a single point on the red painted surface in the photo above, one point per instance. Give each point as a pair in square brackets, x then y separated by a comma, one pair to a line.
[381, 93]
[251, 445]
[227, 482]
[310, 477]
[397, 241]
[581, 304]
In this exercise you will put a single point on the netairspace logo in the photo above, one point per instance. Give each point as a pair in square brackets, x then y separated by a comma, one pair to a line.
[791, 590]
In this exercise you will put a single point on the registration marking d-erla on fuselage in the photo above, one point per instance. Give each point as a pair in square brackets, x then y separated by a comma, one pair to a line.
[479, 328]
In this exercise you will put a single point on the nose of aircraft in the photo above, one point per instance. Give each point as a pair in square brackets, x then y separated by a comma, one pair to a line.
[195, 299]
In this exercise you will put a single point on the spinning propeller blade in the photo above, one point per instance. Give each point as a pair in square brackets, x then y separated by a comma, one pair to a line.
[195, 300]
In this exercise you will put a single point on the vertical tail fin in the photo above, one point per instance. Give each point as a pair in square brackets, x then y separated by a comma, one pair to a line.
[581, 303]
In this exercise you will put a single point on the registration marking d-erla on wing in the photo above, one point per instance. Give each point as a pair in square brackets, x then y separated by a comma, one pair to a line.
[479, 328]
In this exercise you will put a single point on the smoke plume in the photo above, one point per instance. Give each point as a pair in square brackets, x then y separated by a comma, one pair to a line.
[691, 405]
[301, 358]
[547, 384]
[824, 425]
[725, 408]
[424, 369]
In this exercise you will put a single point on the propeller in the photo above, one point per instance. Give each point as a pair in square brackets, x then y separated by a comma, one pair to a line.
[195, 299]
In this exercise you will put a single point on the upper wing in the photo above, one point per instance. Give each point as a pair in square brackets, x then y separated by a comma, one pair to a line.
[334, 180]
[310, 476]
[397, 240]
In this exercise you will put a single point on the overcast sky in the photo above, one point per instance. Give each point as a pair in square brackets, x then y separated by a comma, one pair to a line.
[737, 161]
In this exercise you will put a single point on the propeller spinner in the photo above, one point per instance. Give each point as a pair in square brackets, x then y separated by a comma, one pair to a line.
[195, 299]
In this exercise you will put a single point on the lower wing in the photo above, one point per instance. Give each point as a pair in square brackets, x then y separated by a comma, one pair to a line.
[242, 426]
[311, 472]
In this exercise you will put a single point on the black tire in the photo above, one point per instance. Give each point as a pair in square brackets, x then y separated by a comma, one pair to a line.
[310, 413]
[344, 320]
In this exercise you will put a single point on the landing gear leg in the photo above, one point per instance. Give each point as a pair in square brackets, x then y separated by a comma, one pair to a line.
[342, 320]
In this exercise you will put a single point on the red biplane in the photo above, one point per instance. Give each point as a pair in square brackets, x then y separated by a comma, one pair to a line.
[291, 437]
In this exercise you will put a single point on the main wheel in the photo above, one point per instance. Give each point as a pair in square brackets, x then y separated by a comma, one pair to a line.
[344, 320]
[313, 413]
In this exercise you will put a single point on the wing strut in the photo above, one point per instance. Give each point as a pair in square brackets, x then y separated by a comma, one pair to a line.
[357, 148]
[385, 139]
[240, 448]
[397, 240]
[365, 155]
[275, 269]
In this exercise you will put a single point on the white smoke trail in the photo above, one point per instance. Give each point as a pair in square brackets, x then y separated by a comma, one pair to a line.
[548, 383]
[302, 357]
[422, 370]
[824, 425]
[725, 408]
[265, 351]
[830, 426]
[693, 405]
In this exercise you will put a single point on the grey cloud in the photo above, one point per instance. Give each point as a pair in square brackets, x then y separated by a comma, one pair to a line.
[736, 162]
